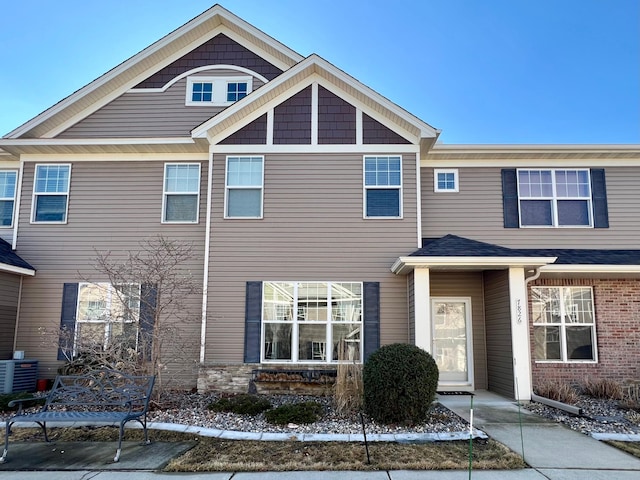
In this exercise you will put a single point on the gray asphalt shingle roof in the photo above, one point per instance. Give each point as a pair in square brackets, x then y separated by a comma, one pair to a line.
[455, 246]
[9, 257]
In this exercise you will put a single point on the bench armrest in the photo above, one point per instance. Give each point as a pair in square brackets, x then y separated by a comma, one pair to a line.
[21, 401]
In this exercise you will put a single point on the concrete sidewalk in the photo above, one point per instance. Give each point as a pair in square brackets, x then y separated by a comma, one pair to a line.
[553, 452]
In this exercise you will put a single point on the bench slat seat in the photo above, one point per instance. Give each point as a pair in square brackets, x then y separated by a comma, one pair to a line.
[101, 396]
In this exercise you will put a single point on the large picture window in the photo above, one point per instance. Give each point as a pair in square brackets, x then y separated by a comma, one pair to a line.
[51, 193]
[181, 193]
[244, 180]
[8, 181]
[311, 322]
[555, 198]
[563, 324]
[383, 187]
[107, 314]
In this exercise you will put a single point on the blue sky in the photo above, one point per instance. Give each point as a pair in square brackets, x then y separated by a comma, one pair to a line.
[482, 71]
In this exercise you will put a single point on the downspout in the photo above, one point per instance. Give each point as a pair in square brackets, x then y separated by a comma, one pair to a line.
[207, 244]
[15, 330]
[16, 215]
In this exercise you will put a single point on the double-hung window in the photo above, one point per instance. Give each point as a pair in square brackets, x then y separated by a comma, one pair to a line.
[8, 182]
[107, 314]
[51, 193]
[311, 322]
[244, 187]
[563, 324]
[181, 193]
[383, 187]
[555, 198]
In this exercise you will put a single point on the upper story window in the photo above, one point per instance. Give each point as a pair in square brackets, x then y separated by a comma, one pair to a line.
[312, 321]
[217, 91]
[383, 187]
[555, 198]
[8, 182]
[51, 193]
[181, 193]
[244, 186]
[445, 180]
[563, 324]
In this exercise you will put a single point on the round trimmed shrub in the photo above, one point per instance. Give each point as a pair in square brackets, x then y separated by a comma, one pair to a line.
[400, 382]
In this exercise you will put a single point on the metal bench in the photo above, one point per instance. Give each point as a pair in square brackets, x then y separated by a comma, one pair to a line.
[99, 397]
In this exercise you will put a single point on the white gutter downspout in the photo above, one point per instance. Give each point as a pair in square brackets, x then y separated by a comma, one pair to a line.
[16, 214]
[207, 244]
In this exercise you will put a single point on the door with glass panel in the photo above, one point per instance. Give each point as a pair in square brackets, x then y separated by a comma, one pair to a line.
[451, 339]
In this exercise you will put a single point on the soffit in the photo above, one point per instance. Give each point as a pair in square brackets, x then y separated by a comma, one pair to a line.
[102, 145]
[153, 58]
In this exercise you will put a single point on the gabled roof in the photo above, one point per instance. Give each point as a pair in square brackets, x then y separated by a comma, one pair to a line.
[142, 65]
[452, 251]
[315, 68]
[12, 263]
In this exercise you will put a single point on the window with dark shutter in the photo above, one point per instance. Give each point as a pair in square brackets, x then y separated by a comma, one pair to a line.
[68, 321]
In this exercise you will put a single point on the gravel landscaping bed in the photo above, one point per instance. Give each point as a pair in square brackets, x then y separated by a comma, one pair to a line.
[598, 416]
[191, 409]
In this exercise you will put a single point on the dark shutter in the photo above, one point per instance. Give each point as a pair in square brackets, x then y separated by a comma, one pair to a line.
[67, 320]
[371, 318]
[510, 198]
[148, 305]
[599, 198]
[253, 321]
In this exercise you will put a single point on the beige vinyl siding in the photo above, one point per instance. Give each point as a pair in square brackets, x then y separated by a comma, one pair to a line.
[313, 230]
[150, 114]
[476, 212]
[9, 292]
[445, 284]
[498, 321]
[7, 234]
[112, 207]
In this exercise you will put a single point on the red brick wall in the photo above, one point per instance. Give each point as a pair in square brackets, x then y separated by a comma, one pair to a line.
[617, 313]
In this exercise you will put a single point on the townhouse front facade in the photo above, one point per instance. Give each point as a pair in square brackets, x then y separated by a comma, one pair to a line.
[326, 221]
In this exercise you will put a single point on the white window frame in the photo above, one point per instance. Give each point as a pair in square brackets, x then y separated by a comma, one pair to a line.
[166, 194]
[296, 312]
[219, 89]
[36, 194]
[554, 198]
[228, 188]
[10, 199]
[445, 171]
[563, 324]
[366, 188]
[110, 296]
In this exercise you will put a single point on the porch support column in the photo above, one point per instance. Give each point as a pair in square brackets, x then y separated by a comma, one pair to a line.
[422, 308]
[520, 334]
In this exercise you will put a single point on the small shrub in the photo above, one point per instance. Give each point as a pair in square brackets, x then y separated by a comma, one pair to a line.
[242, 404]
[305, 412]
[603, 388]
[560, 392]
[400, 382]
[7, 397]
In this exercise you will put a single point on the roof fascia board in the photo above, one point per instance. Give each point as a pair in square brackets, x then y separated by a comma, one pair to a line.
[532, 148]
[404, 264]
[590, 269]
[215, 14]
[530, 162]
[5, 267]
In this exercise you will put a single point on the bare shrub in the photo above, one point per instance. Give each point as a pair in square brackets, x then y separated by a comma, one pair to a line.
[561, 392]
[602, 388]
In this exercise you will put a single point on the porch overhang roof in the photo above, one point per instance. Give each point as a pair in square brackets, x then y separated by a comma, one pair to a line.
[404, 265]
[10, 262]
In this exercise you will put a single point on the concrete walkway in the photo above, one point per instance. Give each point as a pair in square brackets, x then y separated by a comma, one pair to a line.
[552, 451]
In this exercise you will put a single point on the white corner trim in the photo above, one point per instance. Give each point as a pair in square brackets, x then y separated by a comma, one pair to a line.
[520, 334]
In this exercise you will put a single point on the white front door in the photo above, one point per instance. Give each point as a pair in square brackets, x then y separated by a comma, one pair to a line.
[451, 349]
